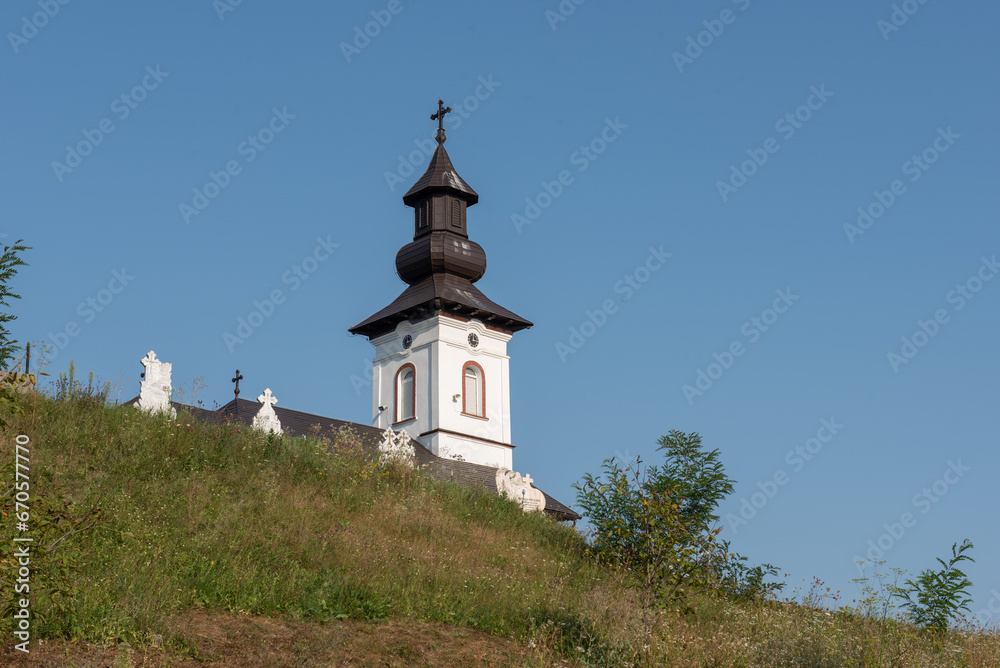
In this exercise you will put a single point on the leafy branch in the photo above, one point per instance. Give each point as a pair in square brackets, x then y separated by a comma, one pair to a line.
[936, 597]
[10, 260]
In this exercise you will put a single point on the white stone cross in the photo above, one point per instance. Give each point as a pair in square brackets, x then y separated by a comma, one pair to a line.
[267, 397]
[154, 389]
[266, 419]
[396, 447]
[152, 366]
[515, 486]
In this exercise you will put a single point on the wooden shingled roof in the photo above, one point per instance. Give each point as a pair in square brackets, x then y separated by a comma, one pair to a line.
[436, 293]
[440, 176]
[298, 423]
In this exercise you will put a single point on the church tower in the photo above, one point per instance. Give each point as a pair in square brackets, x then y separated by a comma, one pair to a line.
[441, 370]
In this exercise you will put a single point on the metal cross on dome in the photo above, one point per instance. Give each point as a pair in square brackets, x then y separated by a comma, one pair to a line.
[237, 380]
[439, 117]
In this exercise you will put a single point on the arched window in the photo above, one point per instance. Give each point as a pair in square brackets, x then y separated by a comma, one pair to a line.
[473, 390]
[406, 396]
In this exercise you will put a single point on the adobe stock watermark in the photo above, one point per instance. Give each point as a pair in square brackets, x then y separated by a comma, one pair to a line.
[30, 25]
[992, 609]
[696, 44]
[899, 16]
[21, 556]
[627, 286]
[366, 378]
[417, 159]
[294, 276]
[223, 7]
[922, 501]
[786, 126]
[562, 12]
[915, 167]
[363, 36]
[581, 158]
[796, 458]
[926, 330]
[249, 148]
[752, 329]
[122, 107]
[624, 457]
[88, 309]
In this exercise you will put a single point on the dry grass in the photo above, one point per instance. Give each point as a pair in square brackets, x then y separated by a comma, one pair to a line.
[231, 640]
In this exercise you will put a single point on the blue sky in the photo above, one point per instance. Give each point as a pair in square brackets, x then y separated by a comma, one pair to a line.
[741, 138]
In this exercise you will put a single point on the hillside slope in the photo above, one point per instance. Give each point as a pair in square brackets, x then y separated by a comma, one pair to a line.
[201, 542]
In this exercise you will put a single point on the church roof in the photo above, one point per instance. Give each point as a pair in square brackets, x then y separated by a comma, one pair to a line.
[440, 175]
[441, 292]
[298, 423]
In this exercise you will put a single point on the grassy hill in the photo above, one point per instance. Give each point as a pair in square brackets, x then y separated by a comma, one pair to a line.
[183, 543]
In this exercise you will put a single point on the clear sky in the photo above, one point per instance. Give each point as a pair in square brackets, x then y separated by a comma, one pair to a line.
[686, 177]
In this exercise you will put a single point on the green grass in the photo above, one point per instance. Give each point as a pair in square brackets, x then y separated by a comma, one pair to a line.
[223, 519]
[220, 517]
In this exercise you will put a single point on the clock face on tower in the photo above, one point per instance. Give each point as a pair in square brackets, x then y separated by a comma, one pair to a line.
[407, 341]
[473, 340]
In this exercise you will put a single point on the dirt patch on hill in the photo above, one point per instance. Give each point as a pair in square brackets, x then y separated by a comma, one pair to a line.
[229, 640]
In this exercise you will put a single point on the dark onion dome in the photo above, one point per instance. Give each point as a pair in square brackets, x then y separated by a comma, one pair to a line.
[440, 253]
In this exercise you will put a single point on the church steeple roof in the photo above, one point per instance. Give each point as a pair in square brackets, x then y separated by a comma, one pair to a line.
[440, 177]
[441, 263]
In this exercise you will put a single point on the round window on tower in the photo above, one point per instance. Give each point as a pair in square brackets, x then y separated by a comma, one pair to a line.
[407, 341]
[473, 340]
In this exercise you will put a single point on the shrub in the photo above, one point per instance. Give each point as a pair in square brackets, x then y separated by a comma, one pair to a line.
[10, 260]
[657, 523]
[936, 597]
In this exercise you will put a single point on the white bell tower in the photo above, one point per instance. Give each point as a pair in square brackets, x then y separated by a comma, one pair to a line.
[446, 382]
[441, 370]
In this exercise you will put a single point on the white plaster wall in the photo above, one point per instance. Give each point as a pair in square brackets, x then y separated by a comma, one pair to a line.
[470, 450]
[389, 357]
[439, 351]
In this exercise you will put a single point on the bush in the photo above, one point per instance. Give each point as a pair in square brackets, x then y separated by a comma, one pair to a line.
[658, 524]
[10, 260]
[938, 596]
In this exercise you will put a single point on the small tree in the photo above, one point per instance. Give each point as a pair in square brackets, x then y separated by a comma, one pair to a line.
[697, 477]
[644, 530]
[938, 596]
[9, 262]
[658, 523]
